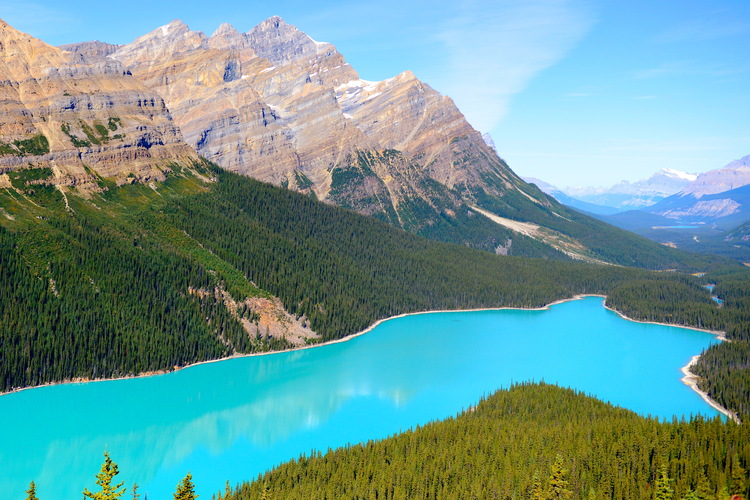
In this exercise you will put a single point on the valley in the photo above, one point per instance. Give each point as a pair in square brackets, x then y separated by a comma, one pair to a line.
[185, 198]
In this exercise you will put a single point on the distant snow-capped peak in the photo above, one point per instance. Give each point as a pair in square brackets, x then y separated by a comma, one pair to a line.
[678, 174]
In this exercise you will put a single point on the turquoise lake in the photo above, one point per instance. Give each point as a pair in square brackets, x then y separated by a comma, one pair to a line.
[236, 418]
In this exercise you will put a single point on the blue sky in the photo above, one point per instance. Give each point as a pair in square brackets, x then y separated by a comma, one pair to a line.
[575, 92]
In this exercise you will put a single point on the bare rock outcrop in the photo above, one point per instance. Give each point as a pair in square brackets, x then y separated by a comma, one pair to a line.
[279, 106]
[82, 114]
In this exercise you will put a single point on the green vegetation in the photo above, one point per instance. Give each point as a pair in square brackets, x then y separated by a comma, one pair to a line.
[102, 130]
[344, 271]
[77, 141]
[126, 281]
[113, 123]
[37, 145]
[186, 489]
[25, 177]
[90, 133]
[113, 292]
[104, 480]
[303, 182]
[532, 441]
[31, 492]
[97, 134]
[33, 146]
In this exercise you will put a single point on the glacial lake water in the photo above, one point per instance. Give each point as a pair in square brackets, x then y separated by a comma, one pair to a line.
[234, 419]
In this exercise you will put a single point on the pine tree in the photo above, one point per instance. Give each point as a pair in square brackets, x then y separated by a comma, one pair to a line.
[186, 489]
[690, 495]
[663, 490]
[703, 491]
[536, 492]
[738, 476]
[136, 495]
[104, 480]
[31, 492]
[558, 485]
[266, 495]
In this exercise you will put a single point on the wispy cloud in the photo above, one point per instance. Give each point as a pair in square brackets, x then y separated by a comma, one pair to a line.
[495, 48]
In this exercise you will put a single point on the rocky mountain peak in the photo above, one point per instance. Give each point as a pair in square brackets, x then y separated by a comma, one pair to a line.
[225, 30]
[173, 38]
[20, 53]
[734, 175]
[226, 37]
[282, 43]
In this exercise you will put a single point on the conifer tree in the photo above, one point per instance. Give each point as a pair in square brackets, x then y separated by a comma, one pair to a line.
[690, 495]
[703, 491]
[738, 476]
[537, 492]
[558, 485]
[104, 480]
[186, 489]
[136, 495]
[663, 490]
[31, 492]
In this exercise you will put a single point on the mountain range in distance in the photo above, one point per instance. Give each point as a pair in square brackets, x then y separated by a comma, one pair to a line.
[623, 195]
[706, 212]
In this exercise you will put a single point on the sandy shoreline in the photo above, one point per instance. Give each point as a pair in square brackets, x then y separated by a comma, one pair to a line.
[689, 378]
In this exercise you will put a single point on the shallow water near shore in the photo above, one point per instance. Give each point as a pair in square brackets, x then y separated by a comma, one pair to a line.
[234, 419]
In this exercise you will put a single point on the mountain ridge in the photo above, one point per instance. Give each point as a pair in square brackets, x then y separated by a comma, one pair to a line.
[396, 150]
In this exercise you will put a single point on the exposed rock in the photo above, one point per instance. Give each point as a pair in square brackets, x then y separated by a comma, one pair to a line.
[734, 175]
[279, 106]
[91, 49]
[86, 116]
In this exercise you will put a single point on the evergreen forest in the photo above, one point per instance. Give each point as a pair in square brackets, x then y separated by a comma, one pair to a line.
[132, 279]
[533, 441]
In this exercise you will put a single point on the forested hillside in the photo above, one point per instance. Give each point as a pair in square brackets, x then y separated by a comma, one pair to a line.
[530, 442]
[133, 278]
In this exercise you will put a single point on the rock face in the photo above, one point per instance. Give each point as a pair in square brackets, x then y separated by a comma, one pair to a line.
[80, 114]
[279, 106]
[734, 175]
[722, 193]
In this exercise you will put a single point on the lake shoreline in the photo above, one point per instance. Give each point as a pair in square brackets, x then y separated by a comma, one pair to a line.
[689, 379]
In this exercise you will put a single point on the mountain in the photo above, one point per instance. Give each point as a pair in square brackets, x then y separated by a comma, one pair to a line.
[708, 215]
[719, 197]
[569, 201]
[276, 105]
[80, 117]
[734, 175]
[640, 194]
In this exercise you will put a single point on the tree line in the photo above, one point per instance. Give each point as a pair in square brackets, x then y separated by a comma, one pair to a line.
[533, 441]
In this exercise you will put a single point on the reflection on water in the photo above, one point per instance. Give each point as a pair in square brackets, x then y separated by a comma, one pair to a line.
[234, 419]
